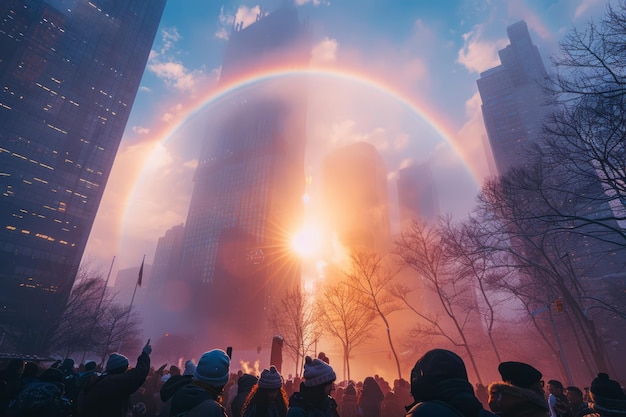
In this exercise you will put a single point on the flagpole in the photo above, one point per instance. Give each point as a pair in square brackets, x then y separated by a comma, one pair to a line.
[138, 283]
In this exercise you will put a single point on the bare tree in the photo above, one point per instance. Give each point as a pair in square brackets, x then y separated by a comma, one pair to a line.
[373, 278]
[295, 320]
[548, 255]
[587, 132]
[74, 331]
[343, 315]
[475, 261]
[422, 247]
[111, 330]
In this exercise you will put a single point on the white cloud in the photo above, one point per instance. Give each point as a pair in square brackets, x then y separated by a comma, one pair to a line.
[171, 113]
[174, 74]
[345, 133]
[159, 159]
[401, 142]
[140, 130]
[245, 16]
[193, 164]
[145, 89]
[342, 133]
[478, 55]
[222, 33]
[324, 52]
[471, 139]
[406, 163]
[169, 36]
[315, 3]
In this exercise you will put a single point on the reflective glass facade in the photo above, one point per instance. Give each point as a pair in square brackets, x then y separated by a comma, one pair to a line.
[514, 103]
[69, 73]
[248, 187]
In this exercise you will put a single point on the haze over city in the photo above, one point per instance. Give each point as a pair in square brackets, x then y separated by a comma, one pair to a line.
[399, 76]
[366, 179]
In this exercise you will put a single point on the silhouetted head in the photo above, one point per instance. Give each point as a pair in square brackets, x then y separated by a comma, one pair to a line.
[116, 364]
[435, 366]
[270, 379]
[317, 372]
[604, 387]
[521, 375]
[213, 368]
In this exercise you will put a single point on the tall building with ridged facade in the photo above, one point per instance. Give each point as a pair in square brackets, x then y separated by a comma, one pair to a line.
[248, 187]
[69, 73]
[514, 102]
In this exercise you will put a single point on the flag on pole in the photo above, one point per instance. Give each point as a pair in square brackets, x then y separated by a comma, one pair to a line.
[140, 274]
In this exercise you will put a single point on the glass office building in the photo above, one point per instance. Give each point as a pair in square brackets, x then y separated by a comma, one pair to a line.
[69, 73]
[514, 102]
[248, 187]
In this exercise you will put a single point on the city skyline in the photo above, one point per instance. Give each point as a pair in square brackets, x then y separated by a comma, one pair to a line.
[420, 74]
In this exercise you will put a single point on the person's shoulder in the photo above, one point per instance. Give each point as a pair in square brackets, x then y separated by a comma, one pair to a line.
[207, 408]
[433, 408]
[486, 413]
[296, 410]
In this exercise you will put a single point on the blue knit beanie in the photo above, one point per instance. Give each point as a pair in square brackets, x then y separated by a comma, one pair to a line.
[213, 368]
[116, 361]
[270, 379]
[317, 372]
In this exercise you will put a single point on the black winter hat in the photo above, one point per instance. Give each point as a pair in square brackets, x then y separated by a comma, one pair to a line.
[519, 374]
[602, 386]
[246, 382]
[435, 366]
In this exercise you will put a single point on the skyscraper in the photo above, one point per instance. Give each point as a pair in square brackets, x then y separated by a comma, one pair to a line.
[514, 107]
[417, 194]
[166, 266]
[247, 196]
[354, 192]
[70, 71]
[168, 291]
[514, 103]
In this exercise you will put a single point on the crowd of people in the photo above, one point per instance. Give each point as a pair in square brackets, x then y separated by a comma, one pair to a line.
[439, 386]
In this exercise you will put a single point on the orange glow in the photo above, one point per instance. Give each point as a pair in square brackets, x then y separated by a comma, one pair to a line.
[307, 242]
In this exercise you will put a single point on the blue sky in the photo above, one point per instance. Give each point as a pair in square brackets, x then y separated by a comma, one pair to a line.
[428, 52]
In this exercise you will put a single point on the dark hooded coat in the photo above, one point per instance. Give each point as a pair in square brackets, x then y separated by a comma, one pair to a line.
[109, 394]
[440, 387]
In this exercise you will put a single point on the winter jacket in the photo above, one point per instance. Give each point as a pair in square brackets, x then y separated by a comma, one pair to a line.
[272, 411]
[450, 398]
[349, 406]
[508, 400]
[244, 386]
[109, 394]
[299, 408]
[40, 399]
[607, 407]
[172, 386]
[193, 401]
[371, 398]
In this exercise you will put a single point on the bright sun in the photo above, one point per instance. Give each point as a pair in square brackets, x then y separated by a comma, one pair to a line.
[307, 242]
